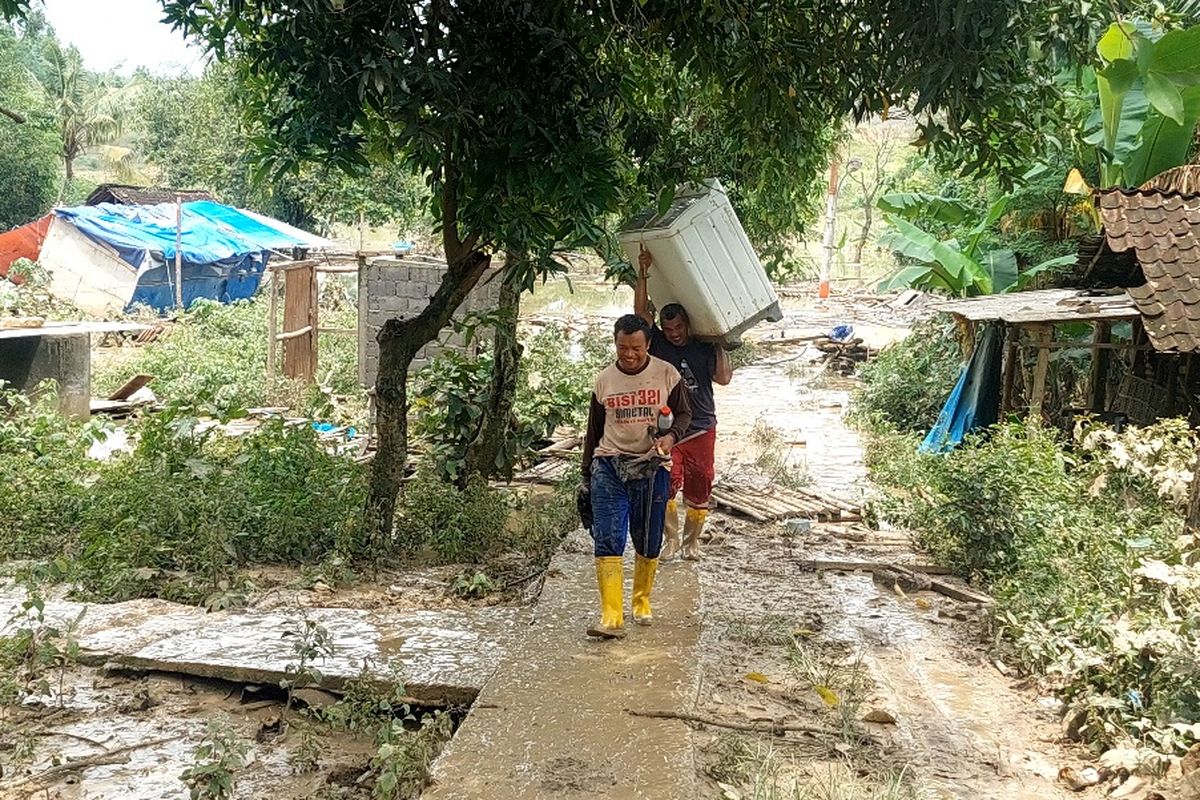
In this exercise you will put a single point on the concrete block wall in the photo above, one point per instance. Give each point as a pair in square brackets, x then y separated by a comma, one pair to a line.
[401, 287]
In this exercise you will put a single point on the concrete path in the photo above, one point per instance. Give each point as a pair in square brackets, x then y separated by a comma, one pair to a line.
[552, 721]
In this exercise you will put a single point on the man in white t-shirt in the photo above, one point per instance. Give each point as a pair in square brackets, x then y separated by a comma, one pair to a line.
[623, 469]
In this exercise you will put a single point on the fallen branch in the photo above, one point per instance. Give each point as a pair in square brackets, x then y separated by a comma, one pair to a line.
[118, 756]
[772, 726]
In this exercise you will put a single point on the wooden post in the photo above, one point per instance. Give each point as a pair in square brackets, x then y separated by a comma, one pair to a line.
[299, 312]
[1043, 334]
[1189, 376]
[1191, 523]
[272, 328]
[1101, 358]
[178, 251]
[966, 337]
[1011, 365]
[1170, 369]
[1139, 353]
[831, 198]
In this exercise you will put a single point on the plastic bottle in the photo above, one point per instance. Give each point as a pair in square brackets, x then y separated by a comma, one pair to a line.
[666, 418]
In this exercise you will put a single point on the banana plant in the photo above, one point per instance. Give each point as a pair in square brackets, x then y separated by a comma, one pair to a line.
[1147, 101]
[948, 265]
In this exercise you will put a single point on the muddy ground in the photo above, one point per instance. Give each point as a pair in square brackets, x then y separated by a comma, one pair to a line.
[781, 644]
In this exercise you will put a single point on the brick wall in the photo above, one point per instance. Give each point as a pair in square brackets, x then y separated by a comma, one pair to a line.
[401, 287]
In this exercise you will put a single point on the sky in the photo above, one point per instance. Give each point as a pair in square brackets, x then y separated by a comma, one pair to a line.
[122, 33]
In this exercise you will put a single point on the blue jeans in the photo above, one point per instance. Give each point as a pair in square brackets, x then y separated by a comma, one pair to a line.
[618, 508]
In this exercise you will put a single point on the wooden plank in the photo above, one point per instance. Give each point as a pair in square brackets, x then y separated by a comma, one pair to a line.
[831, 499]
[1012, 357]
[300, 314]
[130, 386]
[819, 565]
[118, 407]
[1037, 396]
[739, 505]
[272, 330]
[306, 264]
[959, 592]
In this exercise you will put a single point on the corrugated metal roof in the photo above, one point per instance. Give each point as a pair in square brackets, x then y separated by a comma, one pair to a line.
[1044, 305]
[125, 194]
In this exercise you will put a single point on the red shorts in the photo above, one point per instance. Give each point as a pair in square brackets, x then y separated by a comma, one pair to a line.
[692, 469]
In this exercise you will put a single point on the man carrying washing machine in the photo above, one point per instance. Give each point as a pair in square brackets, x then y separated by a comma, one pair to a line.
[700, 365]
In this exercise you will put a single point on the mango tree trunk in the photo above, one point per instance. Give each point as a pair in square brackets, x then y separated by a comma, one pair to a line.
[485, 454]
[399, 341]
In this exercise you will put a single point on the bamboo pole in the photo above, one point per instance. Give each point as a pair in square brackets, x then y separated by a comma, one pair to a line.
[272, 329]
[178, 252]
[1042, 335]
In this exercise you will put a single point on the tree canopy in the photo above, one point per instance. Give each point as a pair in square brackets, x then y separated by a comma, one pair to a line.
[29, 141]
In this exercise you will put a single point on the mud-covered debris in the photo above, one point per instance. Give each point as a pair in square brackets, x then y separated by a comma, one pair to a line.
[894, 577]
[1074, 724]
[1123, 758]
[1079, 779]
[1191, 761]
[1136, 788]
[315, 698]
[140, 700]
[879, 717]
[270, 729]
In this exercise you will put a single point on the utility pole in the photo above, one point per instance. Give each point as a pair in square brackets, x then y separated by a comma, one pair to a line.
[179, 252]
[830, 228]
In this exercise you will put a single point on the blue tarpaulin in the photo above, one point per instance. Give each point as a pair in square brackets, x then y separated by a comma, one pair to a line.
[975, 401]
[224, 249]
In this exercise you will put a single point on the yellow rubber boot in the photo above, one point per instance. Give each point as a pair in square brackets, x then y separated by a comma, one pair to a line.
[610, 578]
[643, 581]
[671, 543]
[691, 532]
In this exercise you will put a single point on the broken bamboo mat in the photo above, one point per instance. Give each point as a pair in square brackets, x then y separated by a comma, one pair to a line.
[550, 472]
[768, 505]
[556, 458]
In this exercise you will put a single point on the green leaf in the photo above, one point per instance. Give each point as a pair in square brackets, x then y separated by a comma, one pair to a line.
[911, 278]
[915, 205]
[995, 212]
[1117, 42]
[1120, 75]
[1049, 265]
[959, 273]
[1001, 266]
[1163, 142]
[1177, 55]
[666, 196]
[1165, 97]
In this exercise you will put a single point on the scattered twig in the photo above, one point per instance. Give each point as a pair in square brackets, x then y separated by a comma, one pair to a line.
[524, 579]
[774, 726]
[118, 756]
[74, 736]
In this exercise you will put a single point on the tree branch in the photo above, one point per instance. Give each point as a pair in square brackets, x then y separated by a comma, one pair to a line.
[13, 115]
[451, 240]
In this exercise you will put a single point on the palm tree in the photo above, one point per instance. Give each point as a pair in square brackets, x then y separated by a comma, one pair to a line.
[91, 109]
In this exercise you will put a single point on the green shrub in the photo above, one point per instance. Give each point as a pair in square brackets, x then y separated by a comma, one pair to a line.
[455, 524]
[908, 383]
[1079, 543]
[192, 500]
[554, 386]
[216, 354]
[189, 502]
